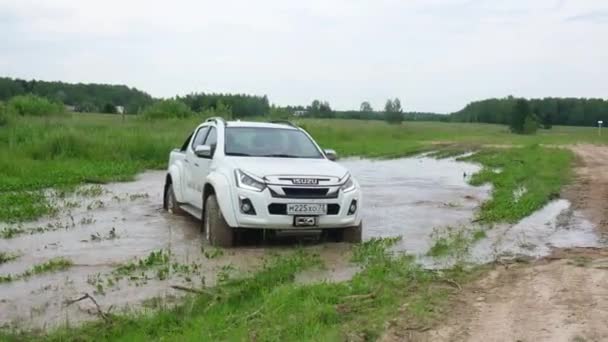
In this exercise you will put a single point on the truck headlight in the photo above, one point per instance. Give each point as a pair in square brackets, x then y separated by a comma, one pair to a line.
[249, 182]
[348, 185]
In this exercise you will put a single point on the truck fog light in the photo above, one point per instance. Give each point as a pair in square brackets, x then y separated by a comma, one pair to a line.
[246, 206]
[353, 207]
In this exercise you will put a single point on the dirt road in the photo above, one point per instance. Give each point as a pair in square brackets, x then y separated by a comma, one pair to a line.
[589, 192]
[560, 298]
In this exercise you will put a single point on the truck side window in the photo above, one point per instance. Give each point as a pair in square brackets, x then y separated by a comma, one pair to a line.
[200, 136]
[186, 143]
[212, 139]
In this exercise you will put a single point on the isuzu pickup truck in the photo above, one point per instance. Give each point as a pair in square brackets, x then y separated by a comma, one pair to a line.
[238, 176]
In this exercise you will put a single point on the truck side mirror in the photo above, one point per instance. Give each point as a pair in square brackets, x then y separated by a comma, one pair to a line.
[203, 151]
[331, 154]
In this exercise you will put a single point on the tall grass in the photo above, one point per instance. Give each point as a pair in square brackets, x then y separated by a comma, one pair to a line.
[33, 105]
[37, 153]
[168, 109]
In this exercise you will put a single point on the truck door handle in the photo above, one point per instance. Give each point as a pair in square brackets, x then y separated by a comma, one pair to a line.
[195, 164]
[186, 161]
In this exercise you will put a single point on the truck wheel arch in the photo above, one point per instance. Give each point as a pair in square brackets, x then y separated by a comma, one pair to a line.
[224, 200]
[174, 177]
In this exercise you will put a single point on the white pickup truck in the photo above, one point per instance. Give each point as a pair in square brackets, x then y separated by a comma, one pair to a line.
[238, 176]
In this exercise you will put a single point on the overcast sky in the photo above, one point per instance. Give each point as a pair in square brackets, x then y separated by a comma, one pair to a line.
[435, 55]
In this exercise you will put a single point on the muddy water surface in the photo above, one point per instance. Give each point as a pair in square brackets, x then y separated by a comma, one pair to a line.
[409, 197]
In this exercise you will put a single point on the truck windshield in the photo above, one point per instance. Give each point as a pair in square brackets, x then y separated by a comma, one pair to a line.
[269, 142]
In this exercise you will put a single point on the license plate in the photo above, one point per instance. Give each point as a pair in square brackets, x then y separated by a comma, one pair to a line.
[305, 221]
[306, 209]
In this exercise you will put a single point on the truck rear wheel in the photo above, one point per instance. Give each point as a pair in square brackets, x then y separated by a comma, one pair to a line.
[170, 203]
[217, 231]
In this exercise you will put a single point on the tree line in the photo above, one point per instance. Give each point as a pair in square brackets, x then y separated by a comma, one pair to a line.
[241, 105]
[546, 112]
[82, 97]
[105, 98]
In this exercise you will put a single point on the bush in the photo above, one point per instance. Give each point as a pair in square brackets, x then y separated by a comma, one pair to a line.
[168, 109]
[530, 125]
[34, 105]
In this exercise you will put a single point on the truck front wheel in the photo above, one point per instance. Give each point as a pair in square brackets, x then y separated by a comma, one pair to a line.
[353, 234]
[217, 231]
[350, 234]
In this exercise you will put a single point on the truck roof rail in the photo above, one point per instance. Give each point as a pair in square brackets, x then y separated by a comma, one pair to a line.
[284, 122]
[216, 119]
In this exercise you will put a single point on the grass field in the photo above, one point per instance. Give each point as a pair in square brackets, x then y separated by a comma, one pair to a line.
[40, 153]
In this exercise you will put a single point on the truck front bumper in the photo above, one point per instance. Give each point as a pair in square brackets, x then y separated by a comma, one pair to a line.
[270, 214]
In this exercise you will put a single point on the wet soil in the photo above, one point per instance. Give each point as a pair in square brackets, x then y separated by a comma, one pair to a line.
[562, 297]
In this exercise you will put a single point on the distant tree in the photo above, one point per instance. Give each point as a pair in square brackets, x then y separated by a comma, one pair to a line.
[320, 109]
[520, 111]
[109, 108]
[314, 107]
[393, 111]
[366, 107]
[523, 121]
[325, 110]
[397, 105]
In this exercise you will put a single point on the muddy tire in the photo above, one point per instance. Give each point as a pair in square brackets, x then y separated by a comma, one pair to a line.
[353, 234]
[170, 203]
[217, 231]
[350, 234]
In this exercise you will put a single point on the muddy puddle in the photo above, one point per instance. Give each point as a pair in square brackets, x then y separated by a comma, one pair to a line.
[128, 253]
[556, 225]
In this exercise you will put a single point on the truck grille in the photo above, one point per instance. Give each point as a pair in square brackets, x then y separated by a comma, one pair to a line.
[304, 193]
[281, 209]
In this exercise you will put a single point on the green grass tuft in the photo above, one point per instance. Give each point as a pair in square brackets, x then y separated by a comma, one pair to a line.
[541, 171]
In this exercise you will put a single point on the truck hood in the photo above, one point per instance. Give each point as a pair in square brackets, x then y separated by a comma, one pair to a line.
[262, 167]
